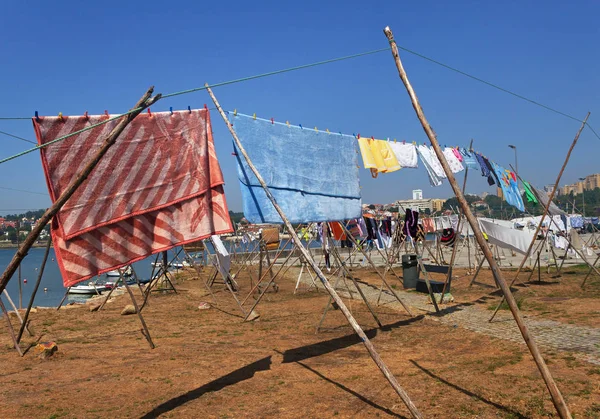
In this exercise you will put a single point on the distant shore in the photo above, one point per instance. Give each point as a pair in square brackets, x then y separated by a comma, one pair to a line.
[5, 245]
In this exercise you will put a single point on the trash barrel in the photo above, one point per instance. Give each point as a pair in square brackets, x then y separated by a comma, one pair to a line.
[410, 271]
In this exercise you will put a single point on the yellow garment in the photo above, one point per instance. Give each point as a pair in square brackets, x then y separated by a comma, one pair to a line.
[378, 156]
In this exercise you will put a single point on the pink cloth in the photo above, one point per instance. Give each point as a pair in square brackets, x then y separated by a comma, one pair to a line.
[159, 186]
[457, 154]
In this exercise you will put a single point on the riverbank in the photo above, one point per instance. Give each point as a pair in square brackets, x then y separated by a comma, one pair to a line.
[9, 245]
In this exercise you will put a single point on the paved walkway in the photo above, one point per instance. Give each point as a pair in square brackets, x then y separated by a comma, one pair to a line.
[581, 341]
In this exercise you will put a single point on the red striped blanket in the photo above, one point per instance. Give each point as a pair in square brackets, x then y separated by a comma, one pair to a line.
[159, 186]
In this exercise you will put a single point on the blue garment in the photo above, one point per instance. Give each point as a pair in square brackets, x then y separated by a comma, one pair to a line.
[484, 169]
[469, 159]
[509, 187]
[577, 221]
[312, 175]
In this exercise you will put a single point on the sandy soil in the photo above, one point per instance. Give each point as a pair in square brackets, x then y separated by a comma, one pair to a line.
[208, 363]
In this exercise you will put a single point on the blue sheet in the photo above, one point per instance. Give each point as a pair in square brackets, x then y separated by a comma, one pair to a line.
[312, 175]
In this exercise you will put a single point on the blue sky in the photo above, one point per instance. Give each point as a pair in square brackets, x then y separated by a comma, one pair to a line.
[74, 56]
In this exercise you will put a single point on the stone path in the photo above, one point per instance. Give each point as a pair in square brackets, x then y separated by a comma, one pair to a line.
[581, 341]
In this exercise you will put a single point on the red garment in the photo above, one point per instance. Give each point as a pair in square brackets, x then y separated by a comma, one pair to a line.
[428, 225]
[159, 186]
[337, 231]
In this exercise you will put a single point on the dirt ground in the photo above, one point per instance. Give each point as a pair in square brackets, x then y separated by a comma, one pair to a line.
[208, 363]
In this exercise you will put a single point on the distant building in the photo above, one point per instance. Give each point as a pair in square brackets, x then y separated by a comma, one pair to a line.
[417, 194]
[420, 205]
[589, 183]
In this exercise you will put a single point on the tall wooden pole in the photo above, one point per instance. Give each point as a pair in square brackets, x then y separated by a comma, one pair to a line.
[146, 101]
[551, 197]
[546, 209]
[384, 369]
[459, 225]
[557, 397]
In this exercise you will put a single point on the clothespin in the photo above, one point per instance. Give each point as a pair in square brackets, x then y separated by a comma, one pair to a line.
[372, 138]
[327, 129]
[205, 107]
[171, 110]
[272, 121]
[189, 109]
[287, 123]
[86, 116]
[235, 112]
[358, 136]
[149, 112]
[106, 113]
[60, 116]
[316, 130]
[254, 117]
[340, 132]
[414, 143]
[37, 117]
[300, 125]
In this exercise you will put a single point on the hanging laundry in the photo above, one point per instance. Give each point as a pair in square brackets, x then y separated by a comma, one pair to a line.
[454, 221]
[411, 219]
[448, 237]
[529, 195]
[543, 198]
[485, 172]
[506, 237]
[432, 165]
[378, 156]
[159, 186]
[469, 159]
[312, 175]
[453, 162]
[428, 225]
[457, 154]
[337, 232]
[491, 177]
[355, 230]
[406, 154]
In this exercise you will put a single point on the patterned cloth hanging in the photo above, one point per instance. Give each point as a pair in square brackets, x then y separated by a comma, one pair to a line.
[159, 186]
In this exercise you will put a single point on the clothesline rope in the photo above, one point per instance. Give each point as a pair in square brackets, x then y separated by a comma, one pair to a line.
[519, 96]
[347, 57]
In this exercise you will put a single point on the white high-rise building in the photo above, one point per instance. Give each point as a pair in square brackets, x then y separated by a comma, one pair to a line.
[417, 194]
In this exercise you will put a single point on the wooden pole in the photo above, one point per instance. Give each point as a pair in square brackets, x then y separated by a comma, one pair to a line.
[546, 209]
[10, 328]
[454, 248]
[557, 397]
[551, 197]
[35, 289]
[370, 348]
[145, 101]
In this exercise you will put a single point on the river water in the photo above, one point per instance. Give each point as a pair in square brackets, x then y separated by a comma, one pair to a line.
[51, 289]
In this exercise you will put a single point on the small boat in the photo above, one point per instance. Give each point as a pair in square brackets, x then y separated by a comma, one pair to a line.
[126, 271]
[176, 265]
[89, 289]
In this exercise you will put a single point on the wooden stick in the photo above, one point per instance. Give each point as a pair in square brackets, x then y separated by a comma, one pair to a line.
[448, 277]
[589, 272]
[146, 101]
[557, 397]
[355, 242]
[35, 290]
[63, 299]
[551, 197]
[376, 358]
[10, 328]
[145, 330]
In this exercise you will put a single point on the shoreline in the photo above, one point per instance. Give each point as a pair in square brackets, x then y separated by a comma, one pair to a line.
[4, 245]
